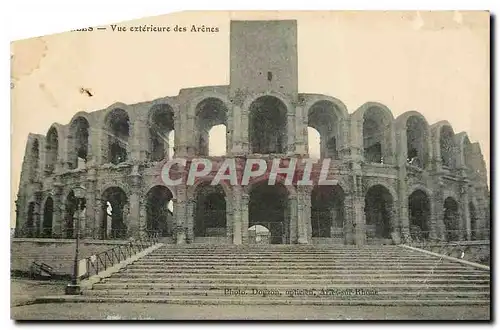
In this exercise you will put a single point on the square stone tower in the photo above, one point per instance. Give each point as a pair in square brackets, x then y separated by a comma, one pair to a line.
[263, 57]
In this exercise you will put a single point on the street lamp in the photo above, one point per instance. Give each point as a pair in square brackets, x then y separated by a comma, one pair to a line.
[74, 287]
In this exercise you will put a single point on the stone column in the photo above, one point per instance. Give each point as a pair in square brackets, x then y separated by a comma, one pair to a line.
[229, 220]
[300, 132]
[90, 212]
[359, 212]
[404, 219]
[190, 135]
[291, 132]
[133, 223]
[237, 216]
[437, 214]
[236, 131]
[245, 199]
[58, 214]
[139, 144]
[349, 220]
[180, 214]
[244, 135]
[190, 213]
[465, 225]
[302, 204]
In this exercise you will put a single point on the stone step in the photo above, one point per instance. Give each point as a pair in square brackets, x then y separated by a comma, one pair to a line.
[158, 267]
[298, 283]
[131, 269]
[140, 276]
[366, 294]
[266, 301]
[287, 259]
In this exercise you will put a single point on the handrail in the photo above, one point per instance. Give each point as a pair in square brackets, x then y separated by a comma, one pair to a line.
[103, 260]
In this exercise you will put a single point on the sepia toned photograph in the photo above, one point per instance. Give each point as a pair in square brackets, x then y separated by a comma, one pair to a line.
[253, 165]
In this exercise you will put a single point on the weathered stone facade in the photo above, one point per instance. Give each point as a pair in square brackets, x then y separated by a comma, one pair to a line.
[396, 176]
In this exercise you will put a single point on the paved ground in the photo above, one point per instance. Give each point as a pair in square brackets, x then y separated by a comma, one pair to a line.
[85, 311]
[23, 291]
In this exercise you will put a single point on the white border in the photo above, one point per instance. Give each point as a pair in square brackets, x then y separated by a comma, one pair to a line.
[29, 18]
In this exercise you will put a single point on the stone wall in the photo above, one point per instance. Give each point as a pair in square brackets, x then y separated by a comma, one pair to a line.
[57, 253]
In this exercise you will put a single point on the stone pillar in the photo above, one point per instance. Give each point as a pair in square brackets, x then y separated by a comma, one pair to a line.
[300, 132]
[229, 220]
[302, 204]
[244, 135]
[190, 135]
[437, 215]
[236, 132]
[180, 214]
[465, 224]
[91, 223]
[404, 219]
[359, 211]
[132, 223]
[190, 213]
[291, 132]
[139, 144]
[237, 216]
[349, 220]
[245, 199]
[58, 214]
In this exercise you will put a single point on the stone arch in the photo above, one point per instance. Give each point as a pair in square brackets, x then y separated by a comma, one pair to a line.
[78, 142]
[34, 157]
[210, 111]
[465, 152]
[48, 217]
[379, 212]
[161, 123]
[327, 211]
[444, 139]
[159, 219]
[419, 213]
[326, 118]
[52, 145]
[415, 129]
[451, 219]
[210, 213]
[117, 129]
[377, 131]
[292, 192]
[269, 207]
[339, 107]
[192, 189]
[267, 124]
[114, 211]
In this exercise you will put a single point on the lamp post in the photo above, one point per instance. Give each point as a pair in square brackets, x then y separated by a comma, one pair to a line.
[73, 288]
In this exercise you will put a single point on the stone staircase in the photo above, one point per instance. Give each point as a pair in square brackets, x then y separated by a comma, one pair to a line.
[293, 274]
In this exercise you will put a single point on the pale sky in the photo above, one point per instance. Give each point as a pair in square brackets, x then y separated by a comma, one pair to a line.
[434, 62]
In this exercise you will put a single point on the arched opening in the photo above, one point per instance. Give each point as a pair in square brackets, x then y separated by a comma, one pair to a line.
[78, 142]
[447, 146]
[475, 232]
[322, 116]
[417, 142]
[114, 204]
[160, 126]
[327, 211]
[118, 132]
[51, 150]
[268, 126]
[451, 219]
[210, 212]
[30, 221]
[159, 218]
[209, 113]
[378, 212]
[48, 215]
[268, 207]
[376, 134]
[468, 153]
[258, 234]
[217, 140]
[73, 209]
[419, 211]
[35, 158]
[314, 143]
